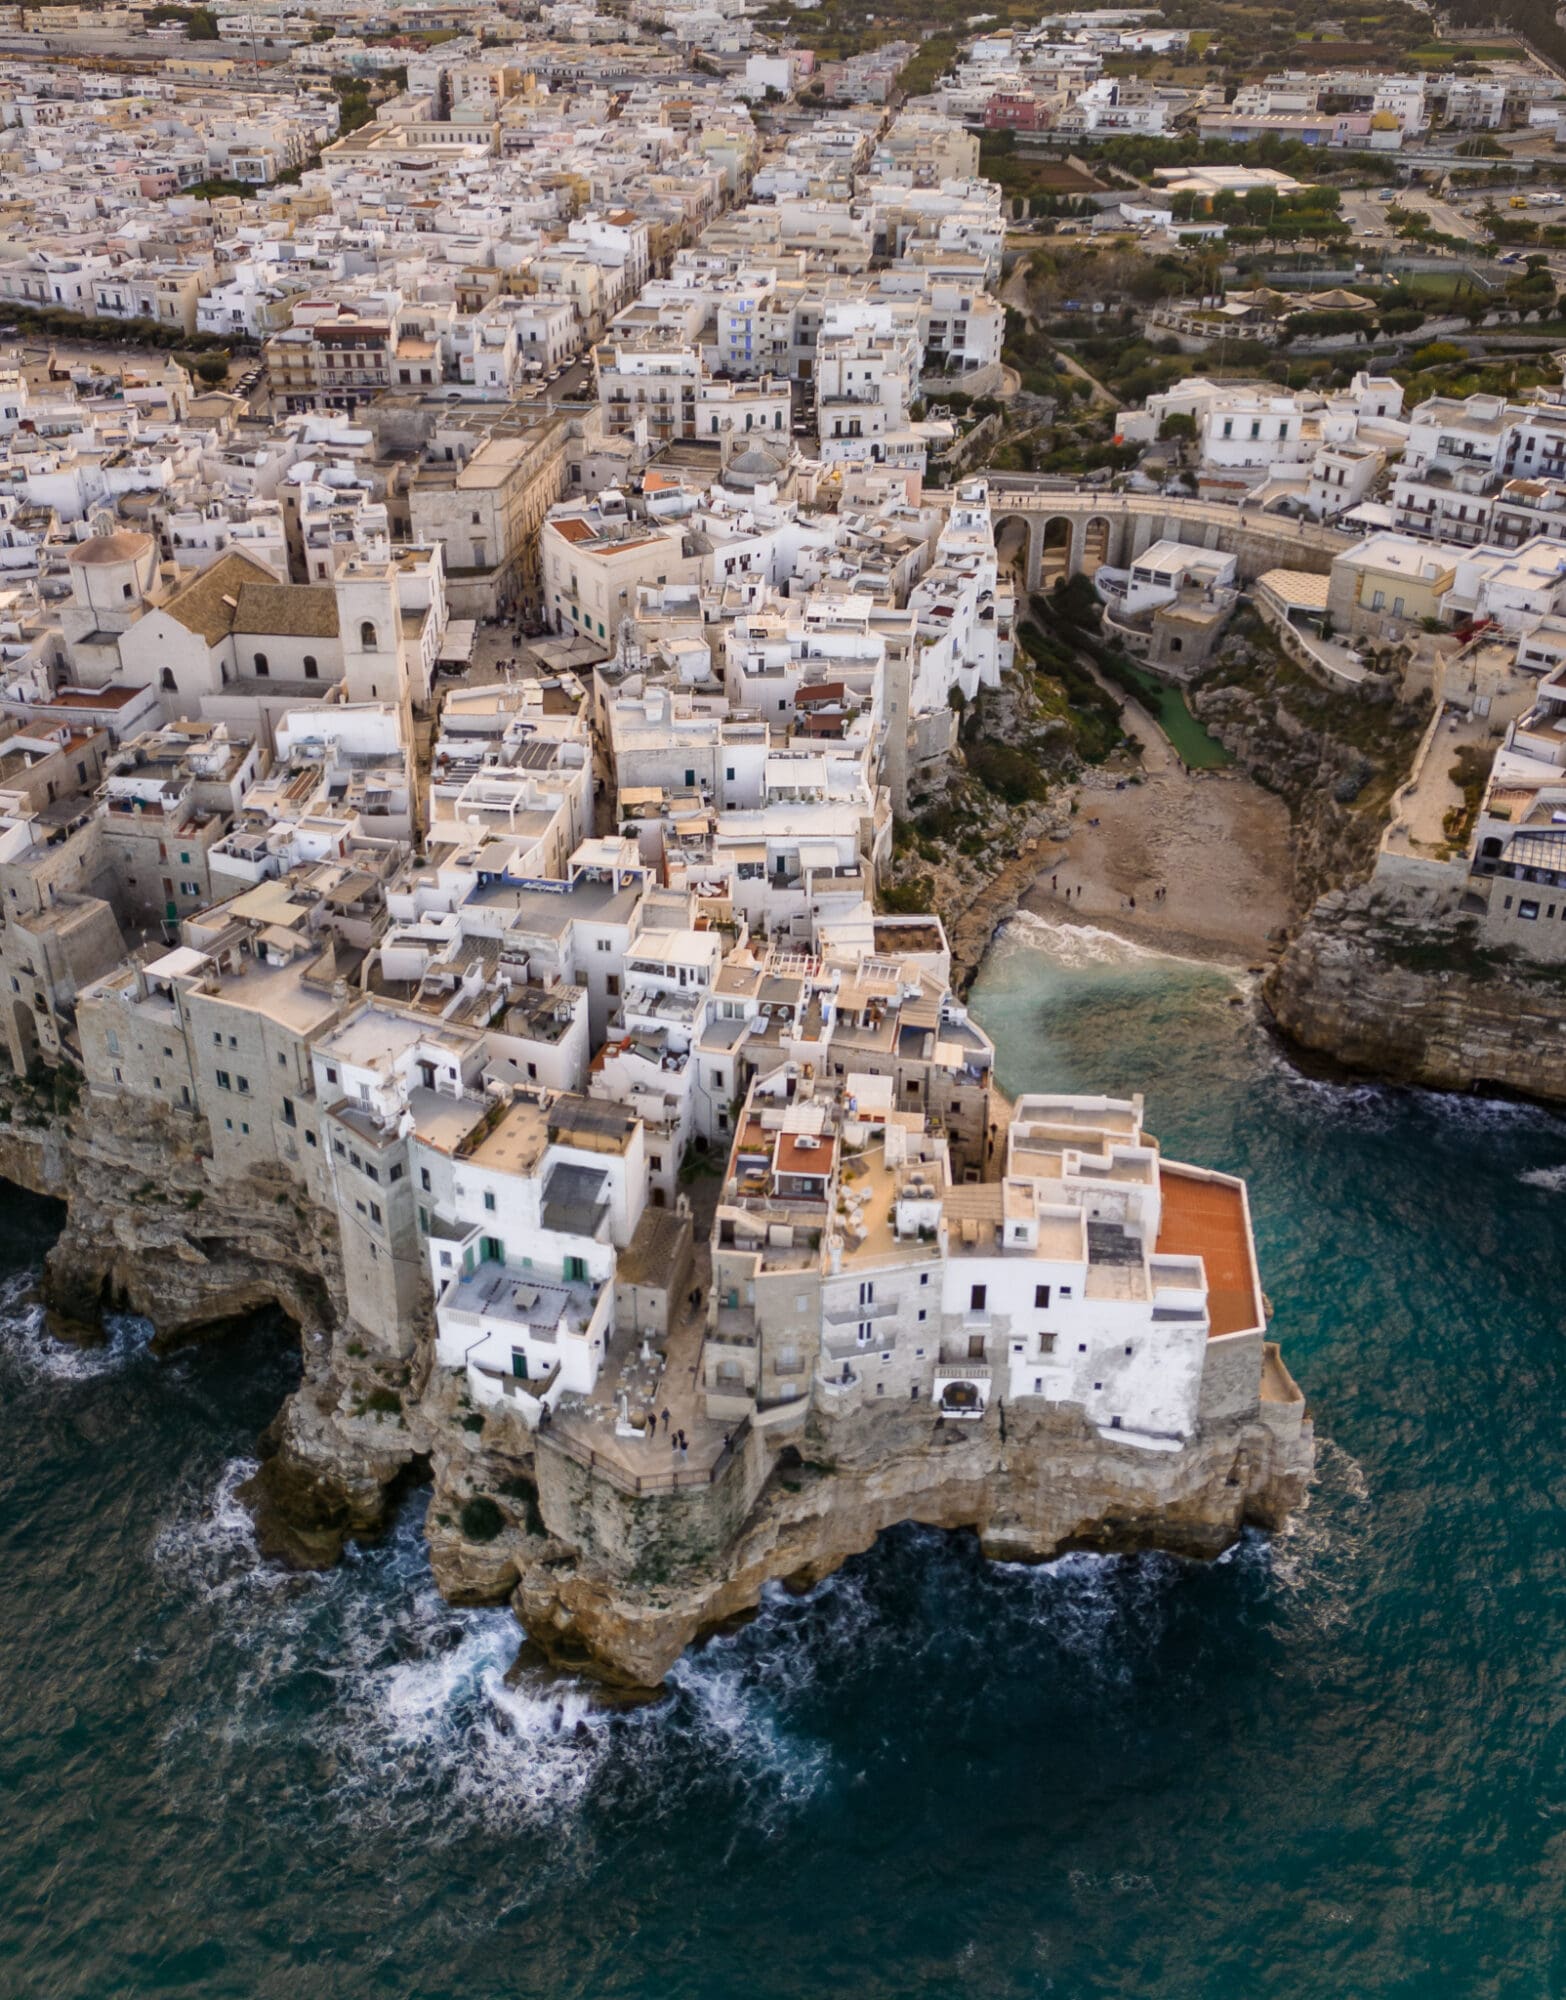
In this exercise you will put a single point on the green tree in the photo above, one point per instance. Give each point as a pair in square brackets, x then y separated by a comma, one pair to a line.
[202, 25]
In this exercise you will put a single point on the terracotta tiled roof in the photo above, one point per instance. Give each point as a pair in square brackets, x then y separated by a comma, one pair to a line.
[199, 605]
[287, 610]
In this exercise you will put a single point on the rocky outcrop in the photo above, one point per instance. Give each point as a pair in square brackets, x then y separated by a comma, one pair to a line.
[1333, 758]
[607, 1579]
[1383, 996]
[1029, 1486]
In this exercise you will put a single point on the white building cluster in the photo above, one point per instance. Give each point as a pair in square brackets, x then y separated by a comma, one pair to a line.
[484, 973]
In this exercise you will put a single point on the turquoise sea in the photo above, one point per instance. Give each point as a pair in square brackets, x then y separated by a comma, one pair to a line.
[1329, 1765]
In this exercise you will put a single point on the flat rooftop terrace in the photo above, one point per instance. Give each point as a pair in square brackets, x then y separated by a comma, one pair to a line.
[1206, 1218]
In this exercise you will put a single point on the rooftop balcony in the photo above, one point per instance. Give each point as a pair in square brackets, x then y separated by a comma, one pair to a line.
[508, 1295]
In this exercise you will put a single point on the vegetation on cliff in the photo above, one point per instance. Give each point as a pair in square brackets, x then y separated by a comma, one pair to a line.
[1334, 756]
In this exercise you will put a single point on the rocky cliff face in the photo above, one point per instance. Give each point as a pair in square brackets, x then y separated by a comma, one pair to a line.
[1334, 759]
[611, 1583]
[1030, 1487]
[1382, 996]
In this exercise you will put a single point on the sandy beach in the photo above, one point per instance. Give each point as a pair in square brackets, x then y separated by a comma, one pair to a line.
[1215, 843]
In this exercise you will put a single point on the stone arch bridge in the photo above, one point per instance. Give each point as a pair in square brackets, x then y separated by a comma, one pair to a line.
[1073, 532]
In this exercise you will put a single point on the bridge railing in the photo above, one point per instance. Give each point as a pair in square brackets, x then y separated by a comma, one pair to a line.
[1009, 499]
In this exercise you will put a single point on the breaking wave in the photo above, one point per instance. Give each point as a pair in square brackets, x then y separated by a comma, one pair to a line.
[37, 1356]
[418, 1709]
[427, 1726]
[1076, 947]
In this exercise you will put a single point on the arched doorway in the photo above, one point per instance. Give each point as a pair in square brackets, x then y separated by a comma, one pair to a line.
[962, 1399]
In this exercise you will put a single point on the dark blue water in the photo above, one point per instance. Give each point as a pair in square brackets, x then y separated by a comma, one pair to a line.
[1330, 1765]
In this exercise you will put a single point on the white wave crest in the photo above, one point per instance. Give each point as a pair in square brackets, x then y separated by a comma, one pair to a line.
[209, 1547]
[1074, 946]
[36, 1355]
[1551, 1179]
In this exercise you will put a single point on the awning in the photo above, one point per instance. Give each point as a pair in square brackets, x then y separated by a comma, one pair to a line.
[456, 649]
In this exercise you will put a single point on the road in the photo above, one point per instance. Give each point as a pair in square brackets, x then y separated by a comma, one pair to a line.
[1366, 215]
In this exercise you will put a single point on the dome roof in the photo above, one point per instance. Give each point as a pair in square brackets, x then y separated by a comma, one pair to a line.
[126, 545]
[753, 465]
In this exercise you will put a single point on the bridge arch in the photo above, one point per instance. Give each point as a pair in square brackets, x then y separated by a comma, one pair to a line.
[1097, 545]
[1091, 528]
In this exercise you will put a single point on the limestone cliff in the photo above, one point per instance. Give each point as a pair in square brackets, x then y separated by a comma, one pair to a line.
[609, 1581]
[1381, 995]
[1333, 757]
[1030, 1486]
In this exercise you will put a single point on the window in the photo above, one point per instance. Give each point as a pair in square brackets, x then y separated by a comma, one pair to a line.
[977, 1297]
[331, 1074]
[1041, 1297]
[244, 1085]
[489, 1200]
[312, 667]
[1527, 909]
[375, 1211]
[424, 1179]
[1065, 1291]
[224, 1080]
[369, 639]
[288, 1112]
[261, 664]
